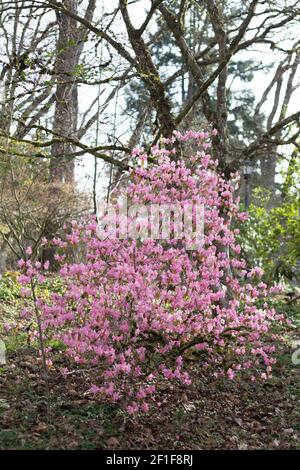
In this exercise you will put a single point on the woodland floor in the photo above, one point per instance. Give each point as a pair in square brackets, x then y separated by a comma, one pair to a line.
[213, 414]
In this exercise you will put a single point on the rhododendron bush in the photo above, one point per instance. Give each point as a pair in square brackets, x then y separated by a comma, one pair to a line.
[141, 311]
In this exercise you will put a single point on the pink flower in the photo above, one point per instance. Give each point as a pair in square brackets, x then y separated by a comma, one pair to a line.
[242, 216]
[25, 292]
[256, 272]
[21, 263]
[29, 251]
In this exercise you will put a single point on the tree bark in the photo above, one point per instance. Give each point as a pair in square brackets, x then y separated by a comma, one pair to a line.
[66, 96]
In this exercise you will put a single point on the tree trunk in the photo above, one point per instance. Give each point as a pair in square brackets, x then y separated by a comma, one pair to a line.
[69, 48]
[268, 170]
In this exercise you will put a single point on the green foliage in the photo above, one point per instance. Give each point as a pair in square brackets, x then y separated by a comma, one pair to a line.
[271, 236]
[290, 308]
[9, 286]
[53, 284]
[14, 330]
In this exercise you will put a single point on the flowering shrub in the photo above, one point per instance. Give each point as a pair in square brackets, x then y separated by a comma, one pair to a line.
[139, 309]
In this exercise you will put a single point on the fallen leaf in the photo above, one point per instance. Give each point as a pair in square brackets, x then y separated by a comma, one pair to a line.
[112, 442]
[40, 427]
[242, 446]
[238, 421]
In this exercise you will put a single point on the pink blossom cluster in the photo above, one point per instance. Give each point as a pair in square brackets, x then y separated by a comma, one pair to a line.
[139, 310]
